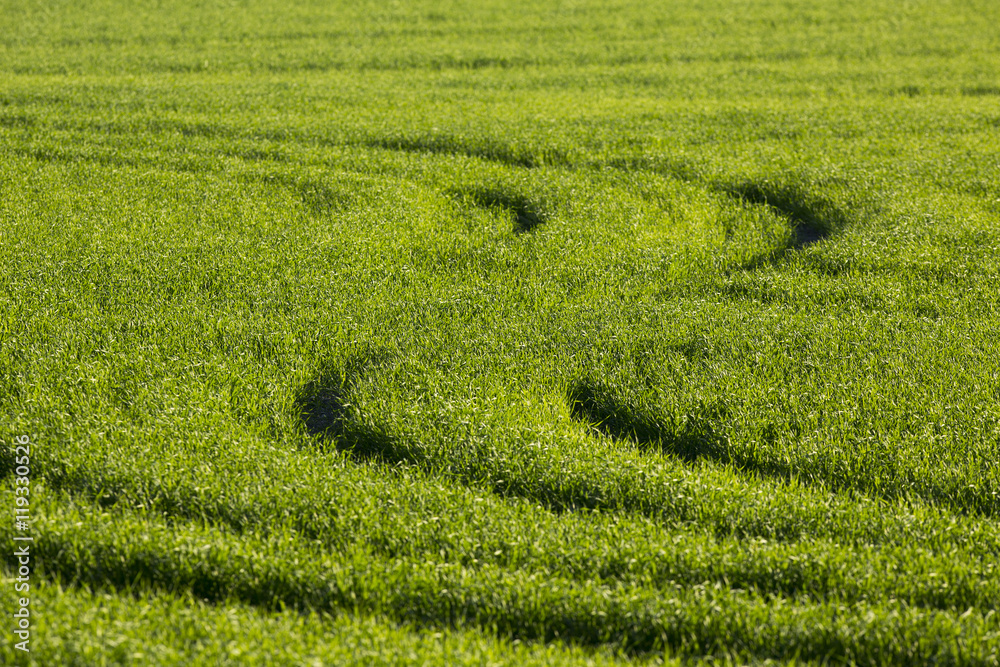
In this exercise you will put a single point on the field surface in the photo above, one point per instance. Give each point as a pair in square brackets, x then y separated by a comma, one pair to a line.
[580, 332]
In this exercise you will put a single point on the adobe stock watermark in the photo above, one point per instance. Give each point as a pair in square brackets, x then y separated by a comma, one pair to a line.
[22, 541]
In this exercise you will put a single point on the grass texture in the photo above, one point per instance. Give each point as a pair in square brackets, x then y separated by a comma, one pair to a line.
[503, 333]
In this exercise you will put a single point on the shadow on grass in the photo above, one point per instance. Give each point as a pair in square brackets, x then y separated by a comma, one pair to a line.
[812, 218]
[698, 436]
[597, 406]
[523, 212]
[326, 411]
[701, 435]
[325, 408]
[7, 461]
[322, 199]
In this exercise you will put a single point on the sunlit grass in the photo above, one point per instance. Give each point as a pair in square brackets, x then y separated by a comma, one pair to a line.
[468, 334]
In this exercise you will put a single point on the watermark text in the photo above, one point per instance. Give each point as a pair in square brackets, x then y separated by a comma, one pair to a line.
[22, 541]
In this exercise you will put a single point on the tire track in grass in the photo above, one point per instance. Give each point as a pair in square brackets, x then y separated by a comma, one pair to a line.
[812, 219]
[78, 546]
[524, 213]
[703, 434]
[338, 417]
[330, 414]
[730, 505]
[597, 406]
[458, 525]
[182, 631]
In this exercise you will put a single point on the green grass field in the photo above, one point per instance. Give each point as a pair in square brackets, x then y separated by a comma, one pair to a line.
[501, 333]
